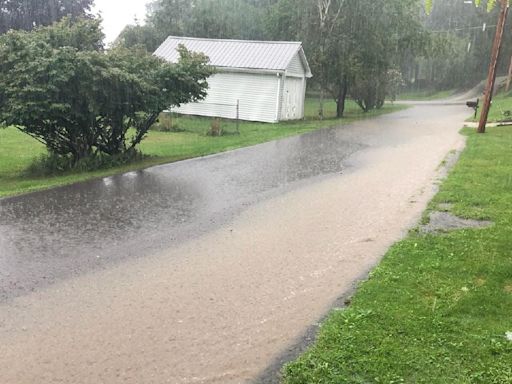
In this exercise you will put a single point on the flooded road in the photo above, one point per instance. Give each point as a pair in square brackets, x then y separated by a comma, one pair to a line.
[206, 271]
[56, 234]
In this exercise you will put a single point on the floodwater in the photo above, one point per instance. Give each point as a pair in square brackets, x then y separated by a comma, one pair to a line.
[67, 231]
[209, 270]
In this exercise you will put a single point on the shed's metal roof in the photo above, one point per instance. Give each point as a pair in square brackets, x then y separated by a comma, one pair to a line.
[239, 54]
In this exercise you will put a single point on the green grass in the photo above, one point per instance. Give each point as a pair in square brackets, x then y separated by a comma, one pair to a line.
[425, 95]
[18, 151]
[501, 106]
[438, 307]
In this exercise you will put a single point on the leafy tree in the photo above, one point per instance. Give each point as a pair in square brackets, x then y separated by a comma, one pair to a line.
[388, 29]
[170, 17]
[221, 19]
[60, 87]
[369, 90]
[395, 83]
[351, 44]
[144, 36]
[318, 24]
[328, 57]
[28, 14]
[290, 20]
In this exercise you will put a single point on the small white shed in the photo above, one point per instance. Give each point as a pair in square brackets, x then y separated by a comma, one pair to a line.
[266, 78]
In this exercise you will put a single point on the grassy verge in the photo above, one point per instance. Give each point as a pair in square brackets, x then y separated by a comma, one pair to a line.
[438, 308]
[501, 109]
[18, 151]
[425, 95]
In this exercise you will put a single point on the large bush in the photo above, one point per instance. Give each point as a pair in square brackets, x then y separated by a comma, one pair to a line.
[58, 85]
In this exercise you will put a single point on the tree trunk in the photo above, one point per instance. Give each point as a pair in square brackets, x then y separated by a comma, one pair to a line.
[342, 97]
[143, 130]
[321, 106]
[362, 104]
[79, 153]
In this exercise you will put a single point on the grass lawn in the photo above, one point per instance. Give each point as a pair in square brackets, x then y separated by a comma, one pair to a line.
[501, 109]
[425, 95]
[18, 151]
[438, 308]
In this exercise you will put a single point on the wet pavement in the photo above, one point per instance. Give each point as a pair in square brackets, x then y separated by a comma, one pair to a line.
[67, 231]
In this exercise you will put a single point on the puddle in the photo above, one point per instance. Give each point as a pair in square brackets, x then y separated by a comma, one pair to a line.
[444, 221]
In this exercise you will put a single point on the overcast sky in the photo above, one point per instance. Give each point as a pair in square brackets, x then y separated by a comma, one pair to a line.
[118, 13]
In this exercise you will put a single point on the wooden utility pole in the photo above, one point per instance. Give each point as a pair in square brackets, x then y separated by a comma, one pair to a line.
[491, 79]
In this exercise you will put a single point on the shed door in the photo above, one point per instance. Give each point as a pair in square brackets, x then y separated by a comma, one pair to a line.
[293, 98]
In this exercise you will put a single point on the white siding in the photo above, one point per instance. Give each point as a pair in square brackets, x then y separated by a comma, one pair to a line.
[292, 98]
[296, 68]
[257, 94]
[282, 92]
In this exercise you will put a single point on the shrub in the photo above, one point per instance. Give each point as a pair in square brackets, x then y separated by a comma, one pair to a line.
[60, 87]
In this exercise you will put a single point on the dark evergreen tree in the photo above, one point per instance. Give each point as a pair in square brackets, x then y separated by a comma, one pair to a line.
[28, 14]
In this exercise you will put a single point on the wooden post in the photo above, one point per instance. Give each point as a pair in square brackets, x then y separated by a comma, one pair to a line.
[170, 116]
[491, 79]
[238, 116]
[509, 78]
